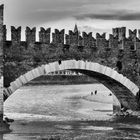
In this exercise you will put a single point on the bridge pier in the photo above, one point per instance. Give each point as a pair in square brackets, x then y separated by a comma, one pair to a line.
[116, 105]
[1, 109]
[4, 127]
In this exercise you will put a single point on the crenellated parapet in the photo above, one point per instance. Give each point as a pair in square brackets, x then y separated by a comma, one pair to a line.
[132, 34]
[116, 41]
[44, 35]
[4, 33]
[101, 42]
[15, 35]
[115, 32]
[81, 41]
[119, 32]
[58, 36]
[1, 13]
[73, 37]
[89, 40]
[30, 35]
[113, 42]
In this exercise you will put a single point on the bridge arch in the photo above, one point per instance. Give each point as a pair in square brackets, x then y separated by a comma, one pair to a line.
[124, 89]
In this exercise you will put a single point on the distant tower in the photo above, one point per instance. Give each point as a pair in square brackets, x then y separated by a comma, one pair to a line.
[76, 28]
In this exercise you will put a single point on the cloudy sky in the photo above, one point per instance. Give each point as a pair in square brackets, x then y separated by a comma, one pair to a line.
[89, 15]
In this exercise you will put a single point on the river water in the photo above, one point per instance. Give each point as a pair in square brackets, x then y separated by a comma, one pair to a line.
[66, 111]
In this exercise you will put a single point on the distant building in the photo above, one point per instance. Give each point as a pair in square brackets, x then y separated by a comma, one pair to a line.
[64, 72]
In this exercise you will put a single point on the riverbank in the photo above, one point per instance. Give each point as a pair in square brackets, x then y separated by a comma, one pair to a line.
[62, 80]
[117, 128]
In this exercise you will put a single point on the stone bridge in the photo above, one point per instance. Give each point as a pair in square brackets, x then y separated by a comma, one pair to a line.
[22, 61]
[121, 86]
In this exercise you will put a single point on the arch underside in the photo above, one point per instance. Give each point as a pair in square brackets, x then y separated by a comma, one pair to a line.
[124, 95]
[121, 87]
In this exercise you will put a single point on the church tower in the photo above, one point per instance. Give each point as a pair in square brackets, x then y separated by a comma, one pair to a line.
[76, 28]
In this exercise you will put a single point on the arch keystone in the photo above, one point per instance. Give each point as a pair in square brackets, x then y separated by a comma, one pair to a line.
[96, 67]
[82, 65]
[88, 64]
[41, 70]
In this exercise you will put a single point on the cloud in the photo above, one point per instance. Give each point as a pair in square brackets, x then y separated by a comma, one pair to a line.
[35, 12]
[127, 15]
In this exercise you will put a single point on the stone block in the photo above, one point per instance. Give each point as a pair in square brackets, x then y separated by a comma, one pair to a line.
[118, 77]
[41, 70]
[37, 72]
[102, 69]
[29, 76]
[123, 80]
[62, 66]
[129, 85]
[47, 69]
[57, 66]
[108, 71]
[7, 92]
[54, 66]
[23, 79]
[82, 65]
[114, 74]
[12, 89]
[19, 82]
[135, 90]
[69, 64]
[96, 67]
[13, 86]
[87, 65]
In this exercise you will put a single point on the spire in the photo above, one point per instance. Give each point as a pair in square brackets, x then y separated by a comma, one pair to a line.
[75, 28]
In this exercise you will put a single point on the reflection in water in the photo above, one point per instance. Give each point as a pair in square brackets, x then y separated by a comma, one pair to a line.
[69, 111]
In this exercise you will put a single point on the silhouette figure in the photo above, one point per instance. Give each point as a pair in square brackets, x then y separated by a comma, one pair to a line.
[95, 92]
[59, 62]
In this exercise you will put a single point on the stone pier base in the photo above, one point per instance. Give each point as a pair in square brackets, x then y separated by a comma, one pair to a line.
[4, 127]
